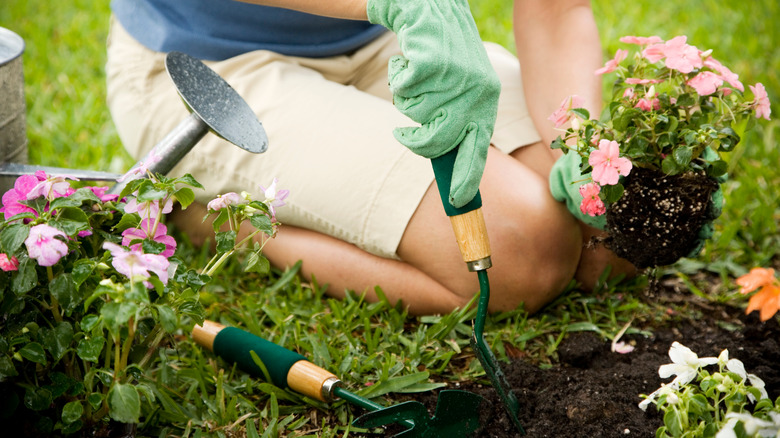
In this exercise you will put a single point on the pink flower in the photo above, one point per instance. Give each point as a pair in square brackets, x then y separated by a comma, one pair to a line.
[646, 104]
[135, 264]
[591, 203]
[145, 231]
[148, 209]
[635, 81]
[11, 198]
[223, 201]
[142, 168]
[607, 164]
[761, 103]
[562, 114]
[681, 56]
[7, 264]
[612, 64]
[727, 75]
[43, 246]
[642, 41]
[100, 192]
[274, 198]
[705, 83]
[654, 52]
[52, 187]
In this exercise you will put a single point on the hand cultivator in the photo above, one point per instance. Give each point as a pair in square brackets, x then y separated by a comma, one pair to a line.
[457, 412]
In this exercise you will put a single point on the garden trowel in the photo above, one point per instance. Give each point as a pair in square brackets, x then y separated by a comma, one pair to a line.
[457, 412]
[468, 224]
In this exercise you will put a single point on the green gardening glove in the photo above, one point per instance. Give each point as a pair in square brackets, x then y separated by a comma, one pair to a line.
[565, 182]
[445, 82]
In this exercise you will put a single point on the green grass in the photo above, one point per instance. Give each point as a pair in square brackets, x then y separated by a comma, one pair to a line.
[69, 125]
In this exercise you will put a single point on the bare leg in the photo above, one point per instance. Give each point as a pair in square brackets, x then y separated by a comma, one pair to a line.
[535, 243]
[594, 258]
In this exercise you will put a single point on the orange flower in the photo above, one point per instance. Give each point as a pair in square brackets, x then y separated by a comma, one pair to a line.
[767, 299]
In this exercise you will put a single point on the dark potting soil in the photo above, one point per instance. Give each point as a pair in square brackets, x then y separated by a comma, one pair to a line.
[658, 218]
[594, 393]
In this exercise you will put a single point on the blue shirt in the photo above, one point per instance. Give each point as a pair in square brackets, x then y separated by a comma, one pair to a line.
[220, 29]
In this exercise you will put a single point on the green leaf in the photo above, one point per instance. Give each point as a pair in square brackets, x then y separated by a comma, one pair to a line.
[82, 268]
[95, 400]
[37, 399]
[189, 180]
[26, 277]
[58, 339]
[12, 237]
[152, 247]
[670, 166]
[89, 349]
[582, 113]
[221, 218]
[683, 155]
[89, 322]
[115, 315]
[262, 223]
[185, 196]
[71, 220]
[148, 192]
[72, 412]
[612, 192]
[226, 240]
[63, 288]
[672, 422]
[124, 403]
[127, 221]
[167, 318]
[717, 168]
[7, 368]
[557, 143]
[34, 353]
[257, 262]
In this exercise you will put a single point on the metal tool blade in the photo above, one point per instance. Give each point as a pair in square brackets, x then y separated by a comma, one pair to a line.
[16, 169]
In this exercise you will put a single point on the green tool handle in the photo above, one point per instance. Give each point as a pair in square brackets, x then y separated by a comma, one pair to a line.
[285, 368]
[468, 223]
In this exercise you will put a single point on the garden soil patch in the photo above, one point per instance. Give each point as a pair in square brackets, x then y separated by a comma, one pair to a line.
[594, 393]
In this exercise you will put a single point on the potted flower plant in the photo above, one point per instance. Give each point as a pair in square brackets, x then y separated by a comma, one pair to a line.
[649, 170]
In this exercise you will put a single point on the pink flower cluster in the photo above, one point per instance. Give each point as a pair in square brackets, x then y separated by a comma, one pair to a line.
[678, 55]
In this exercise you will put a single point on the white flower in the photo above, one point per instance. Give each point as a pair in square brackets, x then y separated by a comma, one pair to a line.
[737, 367]
[752, 425]
[685, 364]
[669, 390]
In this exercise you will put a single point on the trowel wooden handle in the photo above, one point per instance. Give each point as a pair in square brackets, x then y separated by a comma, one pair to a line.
[468, 223]
[285, 368]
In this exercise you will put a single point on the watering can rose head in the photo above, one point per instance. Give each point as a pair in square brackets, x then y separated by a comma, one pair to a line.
[674, 108]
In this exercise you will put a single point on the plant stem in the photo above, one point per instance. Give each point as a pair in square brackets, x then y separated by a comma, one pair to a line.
[55, 304]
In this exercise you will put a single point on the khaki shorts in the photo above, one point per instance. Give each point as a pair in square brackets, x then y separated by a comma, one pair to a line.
[329, 123]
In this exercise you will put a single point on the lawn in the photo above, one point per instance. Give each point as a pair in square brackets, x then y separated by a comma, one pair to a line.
[69, 126]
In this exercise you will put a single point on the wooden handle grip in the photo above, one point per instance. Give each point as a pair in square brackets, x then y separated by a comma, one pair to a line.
[204, 334]
[471, 234]
[308, 379]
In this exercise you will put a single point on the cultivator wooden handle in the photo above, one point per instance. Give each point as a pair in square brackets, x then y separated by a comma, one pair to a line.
[285, 368]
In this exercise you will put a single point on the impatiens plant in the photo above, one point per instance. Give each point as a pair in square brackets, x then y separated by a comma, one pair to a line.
[725, 403]
[90, 287]
[674, 109]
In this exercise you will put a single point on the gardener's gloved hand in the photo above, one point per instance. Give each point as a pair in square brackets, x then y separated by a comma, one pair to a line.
[445, 82]
[566, 179]
[565, 182]
[716, 208]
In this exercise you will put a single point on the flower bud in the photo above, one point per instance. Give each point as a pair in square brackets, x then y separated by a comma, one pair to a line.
[246, 195]
[576, 124]
[650, 92]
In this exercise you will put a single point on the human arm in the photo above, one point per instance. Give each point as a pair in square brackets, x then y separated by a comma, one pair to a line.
[559, 49]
